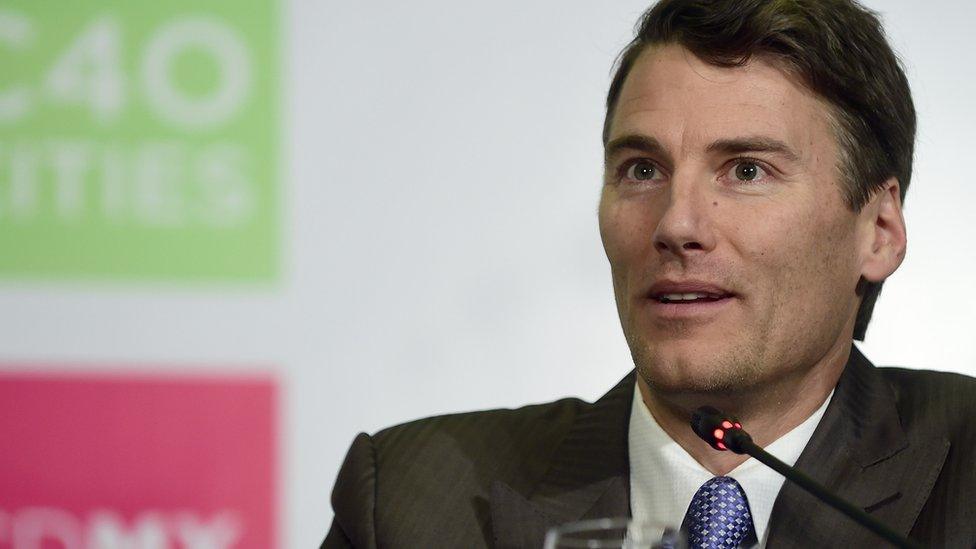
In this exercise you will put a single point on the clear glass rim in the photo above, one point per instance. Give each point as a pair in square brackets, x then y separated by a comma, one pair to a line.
[558, 534]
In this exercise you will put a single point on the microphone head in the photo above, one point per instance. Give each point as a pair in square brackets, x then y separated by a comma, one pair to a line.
[703, 422]
[717, 429]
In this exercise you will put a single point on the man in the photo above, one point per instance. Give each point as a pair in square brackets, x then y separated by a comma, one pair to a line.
[757, 155]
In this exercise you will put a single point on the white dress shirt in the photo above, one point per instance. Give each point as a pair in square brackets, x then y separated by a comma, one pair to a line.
[664, 477]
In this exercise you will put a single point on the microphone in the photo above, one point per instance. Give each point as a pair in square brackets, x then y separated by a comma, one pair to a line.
[724, 433]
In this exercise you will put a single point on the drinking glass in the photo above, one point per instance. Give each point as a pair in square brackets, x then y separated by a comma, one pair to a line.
[614, 533]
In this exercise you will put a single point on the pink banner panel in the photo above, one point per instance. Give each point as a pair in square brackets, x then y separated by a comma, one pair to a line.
[98, 461]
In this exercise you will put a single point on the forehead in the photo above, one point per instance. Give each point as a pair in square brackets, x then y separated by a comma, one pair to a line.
[679, 98]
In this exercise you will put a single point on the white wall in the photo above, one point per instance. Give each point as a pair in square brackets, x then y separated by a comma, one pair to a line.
[442, 166]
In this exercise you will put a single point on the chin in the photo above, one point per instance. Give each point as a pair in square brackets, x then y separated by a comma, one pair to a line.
[674, 368]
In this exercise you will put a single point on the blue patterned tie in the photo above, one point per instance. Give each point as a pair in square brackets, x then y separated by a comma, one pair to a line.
[719, 517]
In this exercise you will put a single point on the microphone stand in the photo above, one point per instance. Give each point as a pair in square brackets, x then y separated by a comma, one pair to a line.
[708, 422]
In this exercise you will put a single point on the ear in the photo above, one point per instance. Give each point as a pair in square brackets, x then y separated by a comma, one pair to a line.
[883, 237]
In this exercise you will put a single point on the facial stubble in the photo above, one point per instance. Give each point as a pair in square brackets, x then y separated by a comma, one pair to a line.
[735, 369]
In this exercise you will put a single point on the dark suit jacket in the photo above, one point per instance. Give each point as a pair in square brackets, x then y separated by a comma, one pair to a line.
[899, 443]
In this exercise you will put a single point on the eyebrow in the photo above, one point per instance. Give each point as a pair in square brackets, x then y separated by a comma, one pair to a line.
[753, 144]
[738, 145]
[636, 142]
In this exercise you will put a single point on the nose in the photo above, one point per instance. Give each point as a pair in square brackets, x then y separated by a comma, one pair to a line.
[685, 229]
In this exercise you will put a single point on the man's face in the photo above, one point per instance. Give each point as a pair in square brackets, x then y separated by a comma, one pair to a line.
[734, 256]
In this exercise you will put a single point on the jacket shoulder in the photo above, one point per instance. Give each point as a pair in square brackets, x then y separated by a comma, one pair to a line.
[433, 476]
[932, 406]
[936, 401]
[485, 441]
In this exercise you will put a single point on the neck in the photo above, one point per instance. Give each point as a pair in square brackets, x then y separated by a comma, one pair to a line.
[768, 412]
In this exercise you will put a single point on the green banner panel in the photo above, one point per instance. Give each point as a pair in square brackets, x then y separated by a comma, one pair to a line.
[139, 140]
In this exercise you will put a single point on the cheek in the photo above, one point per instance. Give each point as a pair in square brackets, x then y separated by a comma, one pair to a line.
[624, 229]
[803, 257]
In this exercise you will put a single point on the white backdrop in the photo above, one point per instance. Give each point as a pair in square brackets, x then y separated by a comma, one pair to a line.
[441, 170]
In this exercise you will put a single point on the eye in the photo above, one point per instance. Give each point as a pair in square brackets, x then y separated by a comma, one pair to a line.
[643, 170]
[747, 171]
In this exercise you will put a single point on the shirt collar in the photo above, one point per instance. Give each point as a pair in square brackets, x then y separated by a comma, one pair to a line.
[664, 477]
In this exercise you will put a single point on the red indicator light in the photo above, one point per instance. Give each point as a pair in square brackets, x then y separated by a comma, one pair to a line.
[727, 424]
[721, 446]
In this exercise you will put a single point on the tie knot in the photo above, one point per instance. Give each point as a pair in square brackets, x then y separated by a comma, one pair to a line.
[719, 516]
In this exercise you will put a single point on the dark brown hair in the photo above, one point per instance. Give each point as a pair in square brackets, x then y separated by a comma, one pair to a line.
[837, 48]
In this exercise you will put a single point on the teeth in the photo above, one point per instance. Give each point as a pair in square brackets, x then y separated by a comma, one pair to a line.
[683, 297]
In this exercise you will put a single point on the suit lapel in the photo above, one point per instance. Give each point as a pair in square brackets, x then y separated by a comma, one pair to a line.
[588, 476]
[860, 452]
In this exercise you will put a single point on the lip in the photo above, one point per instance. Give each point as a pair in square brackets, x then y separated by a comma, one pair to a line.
[701, 310]
[668, 286]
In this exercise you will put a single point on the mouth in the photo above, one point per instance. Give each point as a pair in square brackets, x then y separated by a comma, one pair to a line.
[689, 297]
[671, 300]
